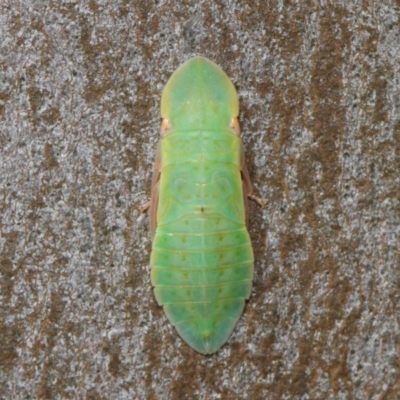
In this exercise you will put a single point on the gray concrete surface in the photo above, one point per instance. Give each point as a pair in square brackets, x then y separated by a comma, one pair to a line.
[80, 85]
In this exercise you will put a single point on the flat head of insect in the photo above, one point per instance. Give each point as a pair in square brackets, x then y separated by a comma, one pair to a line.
[199, 95]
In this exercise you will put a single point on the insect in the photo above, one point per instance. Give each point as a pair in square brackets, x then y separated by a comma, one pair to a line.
[202, 260]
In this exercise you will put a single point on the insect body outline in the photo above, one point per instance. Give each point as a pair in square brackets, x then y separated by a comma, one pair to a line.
[202, 262]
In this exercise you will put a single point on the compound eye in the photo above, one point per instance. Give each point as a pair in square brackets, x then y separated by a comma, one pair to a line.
[235, 126]
[164, 127]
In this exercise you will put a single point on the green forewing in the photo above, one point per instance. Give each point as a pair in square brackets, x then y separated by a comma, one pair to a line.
[201, 260]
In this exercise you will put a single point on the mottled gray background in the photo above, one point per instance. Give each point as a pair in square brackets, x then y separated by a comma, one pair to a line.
[319, 88]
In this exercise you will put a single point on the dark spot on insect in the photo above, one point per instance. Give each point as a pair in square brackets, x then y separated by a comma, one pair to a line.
[202, 209]
[220, 273]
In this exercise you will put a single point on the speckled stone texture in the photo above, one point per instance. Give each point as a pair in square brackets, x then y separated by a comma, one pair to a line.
[319, 88]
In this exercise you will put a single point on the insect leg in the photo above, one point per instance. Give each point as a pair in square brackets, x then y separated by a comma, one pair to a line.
[153, 203]
[247, 186]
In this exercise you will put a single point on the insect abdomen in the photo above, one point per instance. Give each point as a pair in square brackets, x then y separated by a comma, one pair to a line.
[202, 290]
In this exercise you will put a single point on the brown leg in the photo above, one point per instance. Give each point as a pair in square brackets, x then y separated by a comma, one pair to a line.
[247, 186]
[153, 203]
[153, 209]
[145, 207]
